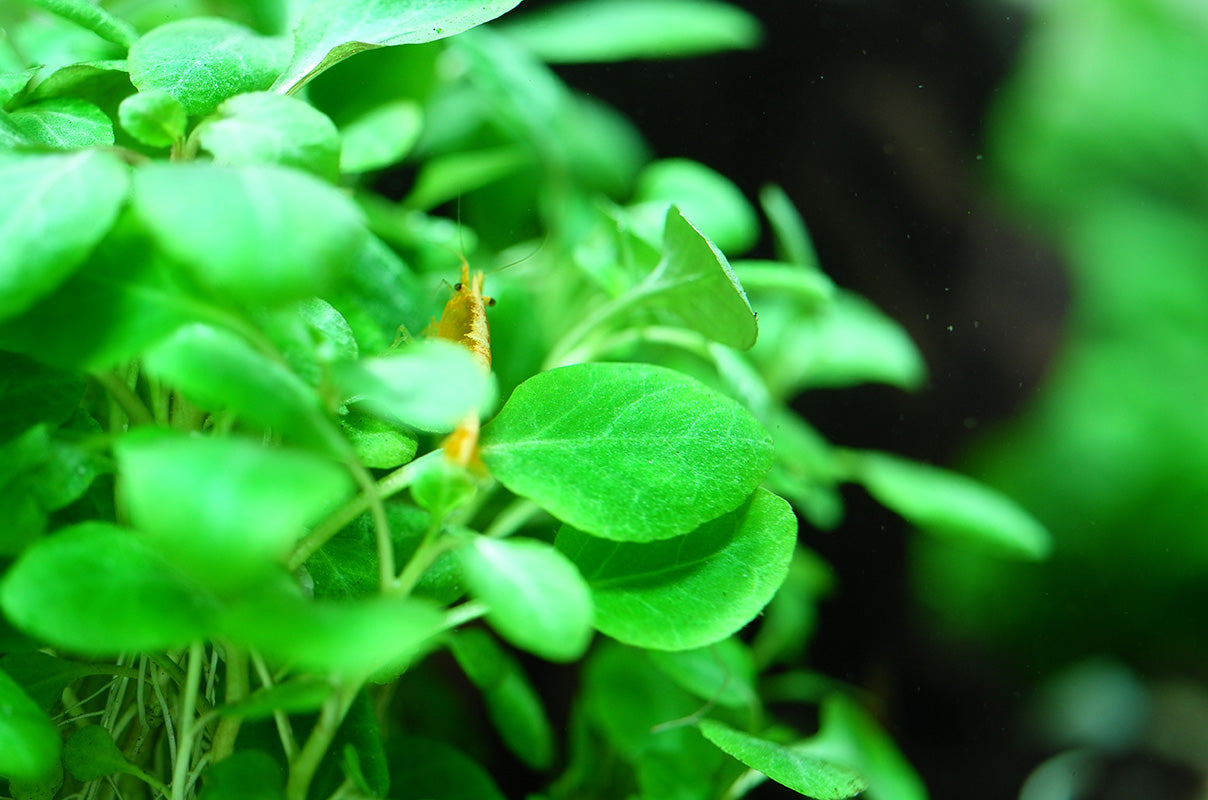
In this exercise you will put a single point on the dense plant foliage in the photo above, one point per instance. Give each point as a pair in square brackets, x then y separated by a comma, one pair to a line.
[252, 525]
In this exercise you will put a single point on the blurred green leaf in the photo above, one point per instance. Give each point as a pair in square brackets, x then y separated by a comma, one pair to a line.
[13, 84]
[204, 60]
[620, 30]
[447, 177]
[155, 118]
[693, 590]
[267, 128]
[29, 741]
[332, 30]
[810, 775]
[721, 673]
[716, 207]
[435, 771]
[380, 137]
[538, 601]
[53, 210]
[789, 233]
[96, 19]
[948, 504]
[630, 452]
[32, 392]
[98, 589]
[246, 774]
[377, 443]
[90, 754]
[285, 234]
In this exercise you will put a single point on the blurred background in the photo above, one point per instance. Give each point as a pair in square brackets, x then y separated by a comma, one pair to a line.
[1024, 187]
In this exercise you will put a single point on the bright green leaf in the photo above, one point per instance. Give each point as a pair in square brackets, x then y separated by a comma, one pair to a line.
[332, 30]
[380, 137]
[441, 485]
[29, 741]
[721, 673]
[53, 210]
[952, 505]
[620, 30]
[631, 452]
[155, 118]
[14, 83]
[809, 775]
[694, 285]
[220, 371]
[430, 385]
[694, 590]
[267, 128]
[538, 601]
[285, 234]
[225, 508]
[104, 83]
[715, 205]
[94, 18]
[202, 61]
[99, 589]
[791, 238]
[377, 443]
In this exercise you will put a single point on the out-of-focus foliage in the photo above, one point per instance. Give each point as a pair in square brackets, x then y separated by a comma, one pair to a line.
[1101, 136]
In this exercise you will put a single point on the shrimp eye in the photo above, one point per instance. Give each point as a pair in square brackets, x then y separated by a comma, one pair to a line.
[457, 287]
[490, 301]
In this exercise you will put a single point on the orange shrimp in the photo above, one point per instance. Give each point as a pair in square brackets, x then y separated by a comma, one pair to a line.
[464, 320]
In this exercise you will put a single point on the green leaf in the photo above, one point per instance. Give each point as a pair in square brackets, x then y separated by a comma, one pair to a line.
[218, 370]
[53, 210]
[694, 590]
[538, 601]
[99, 589]
[435, 771]
[440, 486]
[202, 61]
[104, 83]
[244, 775]
[120, 301]
[43, 787]
[297, 695]
[225, 509]
[952, 505]
[332, 30]
[792, 239]
[694, 285]
[267, 128]
[377, 295]
[32, 392]
[351, 638]
[431, 385]
[450, 176]
[620, 30]
[722, 673]
[98, 20]
[90, 754]
[377, 443]
[380, 137]
[285, 234]
[512, 703]
[29, 741]
[631, 452]
[809, 775]
[44, 677]
[13, 84]
[155, 118]
[715, 205]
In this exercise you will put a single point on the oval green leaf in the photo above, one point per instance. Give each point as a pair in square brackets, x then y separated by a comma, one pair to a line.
[949, 504]
[332, 30]
[285, 234]
[225, 509]
[267, 128]
[98, 589]
[620, 30]
[712, 201]
[101, 22]
[202, 61]
[380, 137]
[64, 124]
[630, 452]
[90, 753]
[538, 601]
[722, 673]
[53, 211]
[29, 741]
[809, 775]
[690, 591]
[155, 118]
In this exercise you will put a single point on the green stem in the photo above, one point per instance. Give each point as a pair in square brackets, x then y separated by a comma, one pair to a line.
[236, 690]
[188, 720]
[302, 770]
[601, 314]
[424, 557]
[125, 397]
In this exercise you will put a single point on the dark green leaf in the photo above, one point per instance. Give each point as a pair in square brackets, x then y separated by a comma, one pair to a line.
[94, 18]
[29, 741]
[203, 60]
[538, 601]
[620, 30]
[267, 128]
[99, 589]
[809, 775]
[690, 591]
[285, 234]
[44, 677]
[31, 393]
[225, 508]
[626, 451]
[380, 137]
[952, 505]
[332, 30]
[53, 210]
[244, 775]
[90, 754]
[435, 771]
[155, 118]
[103, 83]
[711, 201]
[43, 787]
[377, 295]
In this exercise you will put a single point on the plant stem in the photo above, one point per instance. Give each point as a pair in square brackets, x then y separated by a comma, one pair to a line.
[302, 770]
[578, 334]
[188, 719]
[425, 555]
[236, 689]
[125, 397]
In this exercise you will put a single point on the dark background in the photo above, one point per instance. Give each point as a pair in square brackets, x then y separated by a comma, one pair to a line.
[869, 113]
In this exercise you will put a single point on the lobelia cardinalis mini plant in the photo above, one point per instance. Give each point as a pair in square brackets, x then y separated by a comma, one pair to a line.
[257, 542]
